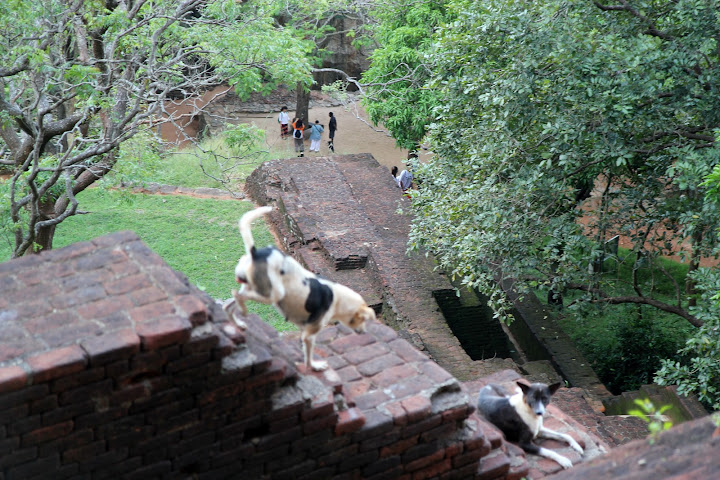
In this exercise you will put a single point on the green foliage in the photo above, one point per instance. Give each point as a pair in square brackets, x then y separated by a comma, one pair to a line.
[396, 91]
[698, 372]
[653, 416]
[249, 33]
[77, 81]
[541, 100]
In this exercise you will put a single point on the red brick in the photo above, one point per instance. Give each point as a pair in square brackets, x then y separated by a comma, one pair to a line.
[47, 434]
[370, 400]
[43, 323]
[12, 378]
[453, 449]
[127, 284]
[491, 466]
[84, 453]
[406, 351]
[397, 412]
[349, 374]
[441, 431]
[164, 331]
[194, 308]
[149, 296]
[111, 347]
[151, 312]
[275, 373]
[349, 421]
[456, 414]
[169, 280]
[320, 407]
[394, 375]
[351, 342]
[371, 351]
[399, 447]
[382, 332]
[311, 427]
[57, 363]
[435, 372]
[425, 461]
[378, 364]
[470, 456]
[102, 308]
[417, 408]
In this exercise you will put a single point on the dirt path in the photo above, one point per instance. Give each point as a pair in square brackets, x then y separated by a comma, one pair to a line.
[353, 135]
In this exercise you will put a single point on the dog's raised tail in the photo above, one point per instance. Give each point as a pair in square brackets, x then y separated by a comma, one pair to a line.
[245, 223]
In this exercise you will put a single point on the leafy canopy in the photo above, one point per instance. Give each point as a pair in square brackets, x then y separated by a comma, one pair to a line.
[79, 78]
[395, 83]
[560, 124]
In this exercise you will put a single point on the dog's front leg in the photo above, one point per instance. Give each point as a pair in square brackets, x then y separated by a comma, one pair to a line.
[530, 447]
[561, 437]
[229, 307]
[308, 343]
[240, 300]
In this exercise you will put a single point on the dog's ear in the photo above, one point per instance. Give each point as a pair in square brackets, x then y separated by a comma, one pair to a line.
[554, 387]
[524, 387]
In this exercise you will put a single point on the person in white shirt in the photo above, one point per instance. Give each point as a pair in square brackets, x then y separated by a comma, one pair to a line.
[284, 120]
[405, 179]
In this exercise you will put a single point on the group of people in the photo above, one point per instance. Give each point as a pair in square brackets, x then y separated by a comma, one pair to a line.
[298, 132]
[404, 179]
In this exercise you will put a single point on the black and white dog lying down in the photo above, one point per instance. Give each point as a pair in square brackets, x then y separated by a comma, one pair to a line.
[520, 417]
[272, 277]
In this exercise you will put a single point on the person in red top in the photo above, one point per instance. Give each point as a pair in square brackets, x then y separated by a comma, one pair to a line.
[298, 138]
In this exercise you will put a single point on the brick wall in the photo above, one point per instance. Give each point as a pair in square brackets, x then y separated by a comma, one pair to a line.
[114, 366]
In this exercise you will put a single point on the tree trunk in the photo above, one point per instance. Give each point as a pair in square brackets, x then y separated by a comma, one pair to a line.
[44, 236]
[302, 109]
[690, 284]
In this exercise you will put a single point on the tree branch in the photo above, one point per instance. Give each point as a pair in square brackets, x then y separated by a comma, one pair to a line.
[604, 298]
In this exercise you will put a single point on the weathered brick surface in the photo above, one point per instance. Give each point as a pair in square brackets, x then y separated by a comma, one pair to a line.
[127, 370]
[351, 233]
[688, 451]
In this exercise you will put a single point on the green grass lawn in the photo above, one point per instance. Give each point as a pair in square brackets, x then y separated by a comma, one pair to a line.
[198, 237]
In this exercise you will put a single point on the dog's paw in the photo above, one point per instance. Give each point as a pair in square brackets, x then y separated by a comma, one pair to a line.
[240, 324]
[564, 462]
[575, 446]
[319, 365]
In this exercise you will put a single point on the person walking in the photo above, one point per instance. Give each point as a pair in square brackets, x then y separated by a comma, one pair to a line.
[316, 131]
[332, 126]
[284, 120]
[298, 129]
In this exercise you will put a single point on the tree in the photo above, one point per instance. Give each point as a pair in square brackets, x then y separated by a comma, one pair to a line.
[543, 101]
[80, 77]
[314, 24]
[395, 91]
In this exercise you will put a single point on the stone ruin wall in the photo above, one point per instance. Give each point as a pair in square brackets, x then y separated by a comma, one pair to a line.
[113, 365]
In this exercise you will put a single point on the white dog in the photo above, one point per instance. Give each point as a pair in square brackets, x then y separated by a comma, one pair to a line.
[272, 277]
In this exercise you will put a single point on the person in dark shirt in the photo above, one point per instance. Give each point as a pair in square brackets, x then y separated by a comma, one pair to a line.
[332, 126]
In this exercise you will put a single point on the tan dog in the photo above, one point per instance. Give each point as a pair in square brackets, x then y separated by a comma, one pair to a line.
[272, 277]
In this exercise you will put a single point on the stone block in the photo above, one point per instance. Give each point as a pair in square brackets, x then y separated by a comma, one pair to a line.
[111, 347]
[57, 363]
[12, 378]
[162, 331]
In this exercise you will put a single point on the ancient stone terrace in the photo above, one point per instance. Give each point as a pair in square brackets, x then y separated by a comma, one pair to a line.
[338, 216]
[114, 365]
